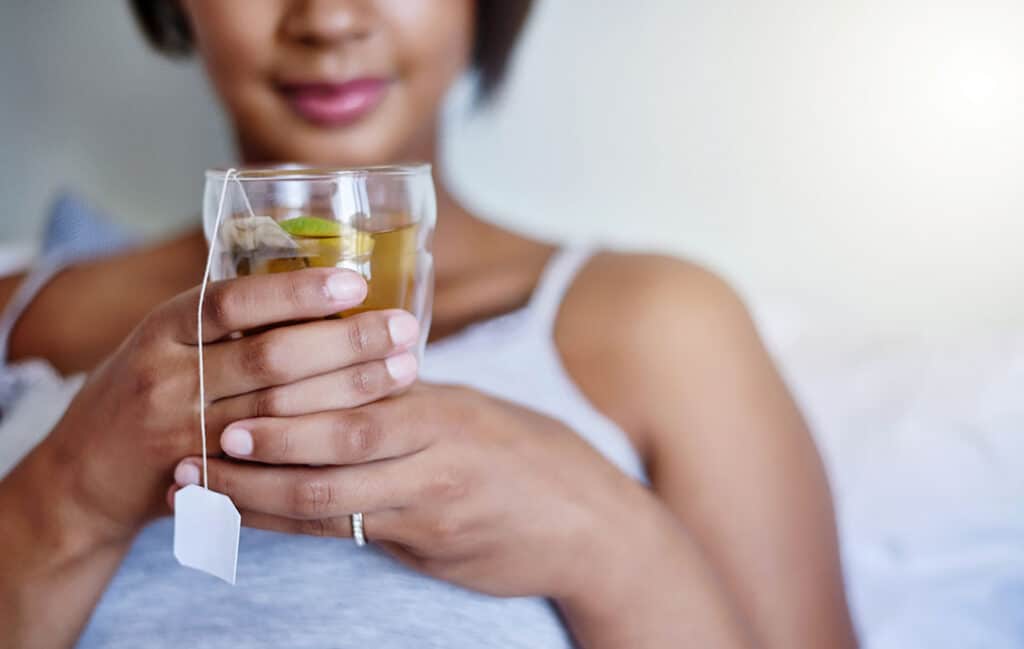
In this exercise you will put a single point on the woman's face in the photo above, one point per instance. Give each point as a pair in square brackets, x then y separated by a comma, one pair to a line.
[333, 82]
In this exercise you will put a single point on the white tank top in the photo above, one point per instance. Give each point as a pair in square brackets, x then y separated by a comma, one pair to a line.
[305, 592]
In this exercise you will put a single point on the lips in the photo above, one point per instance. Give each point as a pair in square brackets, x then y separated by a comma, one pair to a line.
[335, 104]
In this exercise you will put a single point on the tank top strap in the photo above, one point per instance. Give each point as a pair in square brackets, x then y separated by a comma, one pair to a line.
[555, 280]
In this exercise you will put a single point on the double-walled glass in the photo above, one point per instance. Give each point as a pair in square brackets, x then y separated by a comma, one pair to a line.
[378, 221]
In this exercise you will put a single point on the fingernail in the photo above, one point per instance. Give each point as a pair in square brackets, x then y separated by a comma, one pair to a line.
[401, 367]
[186, 473]
[346, 286]
[236, 441]
[403, 329]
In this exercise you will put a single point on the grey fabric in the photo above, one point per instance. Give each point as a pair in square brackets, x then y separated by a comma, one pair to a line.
[321, 593]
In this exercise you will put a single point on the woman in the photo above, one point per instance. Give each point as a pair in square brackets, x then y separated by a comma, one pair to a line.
[510, 511]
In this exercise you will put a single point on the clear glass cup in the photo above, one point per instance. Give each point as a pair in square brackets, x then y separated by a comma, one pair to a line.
[378, 221]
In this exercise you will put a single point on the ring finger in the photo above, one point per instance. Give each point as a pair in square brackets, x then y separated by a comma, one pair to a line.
[384, 525]
[306, 492]
[378, 526]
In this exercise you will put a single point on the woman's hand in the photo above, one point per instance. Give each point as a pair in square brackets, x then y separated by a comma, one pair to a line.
[137, 415]
[460, 485]
[74, 503]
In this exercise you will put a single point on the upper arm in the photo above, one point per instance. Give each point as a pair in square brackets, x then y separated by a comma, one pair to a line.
[726, 447]
[8, 285]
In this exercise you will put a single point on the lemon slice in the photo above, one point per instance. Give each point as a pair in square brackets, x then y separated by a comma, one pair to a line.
[311, 226]
[330, 241]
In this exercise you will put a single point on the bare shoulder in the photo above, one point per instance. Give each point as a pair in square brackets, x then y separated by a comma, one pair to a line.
[632, 307]
[656, 283]
[634, 327]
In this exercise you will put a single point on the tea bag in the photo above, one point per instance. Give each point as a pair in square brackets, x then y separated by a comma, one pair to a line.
[257, 237]
[207, 524]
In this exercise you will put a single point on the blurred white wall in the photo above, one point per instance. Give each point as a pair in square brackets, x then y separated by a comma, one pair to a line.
[866, 155]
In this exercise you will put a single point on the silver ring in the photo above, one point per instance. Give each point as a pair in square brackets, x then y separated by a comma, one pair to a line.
[357, 529]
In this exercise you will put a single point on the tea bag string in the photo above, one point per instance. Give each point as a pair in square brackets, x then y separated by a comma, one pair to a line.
[229, 175]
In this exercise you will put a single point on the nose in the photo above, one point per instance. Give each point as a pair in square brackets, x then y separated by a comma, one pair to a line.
[327, 22]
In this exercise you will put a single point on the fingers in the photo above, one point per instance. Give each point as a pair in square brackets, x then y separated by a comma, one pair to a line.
[337, 438]
[340, 526]
[259, 300]
[382, 523]
[288, 354]
[346, 388]
[305, 493]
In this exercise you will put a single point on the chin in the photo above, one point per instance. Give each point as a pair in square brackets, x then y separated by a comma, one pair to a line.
[327, 147]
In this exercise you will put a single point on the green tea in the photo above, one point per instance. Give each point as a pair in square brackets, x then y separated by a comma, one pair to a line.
[387, 258]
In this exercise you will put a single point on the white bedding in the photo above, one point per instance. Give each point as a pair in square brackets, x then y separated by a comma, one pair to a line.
[924, 441]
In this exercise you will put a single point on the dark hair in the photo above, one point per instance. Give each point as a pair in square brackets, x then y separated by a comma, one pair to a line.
[498, 23]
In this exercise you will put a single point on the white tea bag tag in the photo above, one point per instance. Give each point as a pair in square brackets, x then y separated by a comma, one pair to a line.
[206, 529]
[206, 523]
